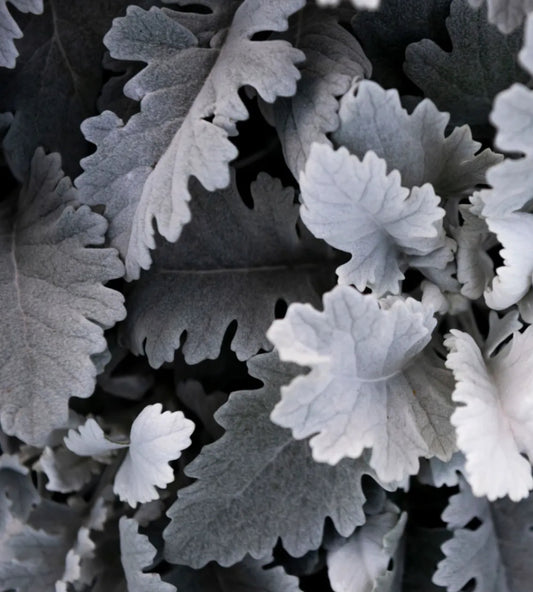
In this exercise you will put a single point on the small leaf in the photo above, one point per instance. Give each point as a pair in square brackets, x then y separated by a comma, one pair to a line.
[156, 438]
[137, 554]
[361, 562]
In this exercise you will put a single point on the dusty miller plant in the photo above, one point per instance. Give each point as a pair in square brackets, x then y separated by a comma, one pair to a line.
[266, 295]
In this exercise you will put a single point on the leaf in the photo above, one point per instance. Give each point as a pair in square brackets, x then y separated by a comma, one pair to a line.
[137, 554]
[156, 438]
[54, 303]
[361, 563]
[53, 548]
[65, 470]
[496, 553]
[385, 35]
[209, 266]
[465, 80]
[361, 4]
[370, 386]
[436, 473]
[17, 492]
[474, 265]
[57, 81]
[257, 484]
[369, 215]
[247, 576]
[494, 424]
[333, 59]
[506, 207]
[373, 119]
[9, 30]
[507, 15]
[190, 106]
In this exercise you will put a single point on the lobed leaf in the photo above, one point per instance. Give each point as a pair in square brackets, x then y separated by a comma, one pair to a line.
[55, 305]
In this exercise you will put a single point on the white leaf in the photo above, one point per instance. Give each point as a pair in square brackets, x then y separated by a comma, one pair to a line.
[369, 385]
[156, 438]
[90, 440]
[362, 4]
[495, 423]
[360, 564]
[506, 207]
[369, 214]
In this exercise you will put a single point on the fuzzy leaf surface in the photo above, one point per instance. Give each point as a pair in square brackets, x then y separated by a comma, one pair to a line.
[55, 305]
[230, 263]
[257, 484]
[507, 15]
[369, 386]
[137, 553]
[495, 553]
[333, 59]
[189, 107]
[355, 206]
[246, 576]
[373, 119]
[465, 81]
[57, 81]
[9, 30]
[385, 34]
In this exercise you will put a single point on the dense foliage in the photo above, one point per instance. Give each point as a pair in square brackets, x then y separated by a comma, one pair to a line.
[266, 289]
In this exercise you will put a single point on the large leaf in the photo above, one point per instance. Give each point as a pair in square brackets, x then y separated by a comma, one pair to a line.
[465, 80]
[370, 385]
[246, 258]
[257, 484]
[369, 214]
[333, 59]
[507, 15]
[496, 554]
[190, 106]
[54, 303]
[57, 81]
[495, 423]
[373, 119]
